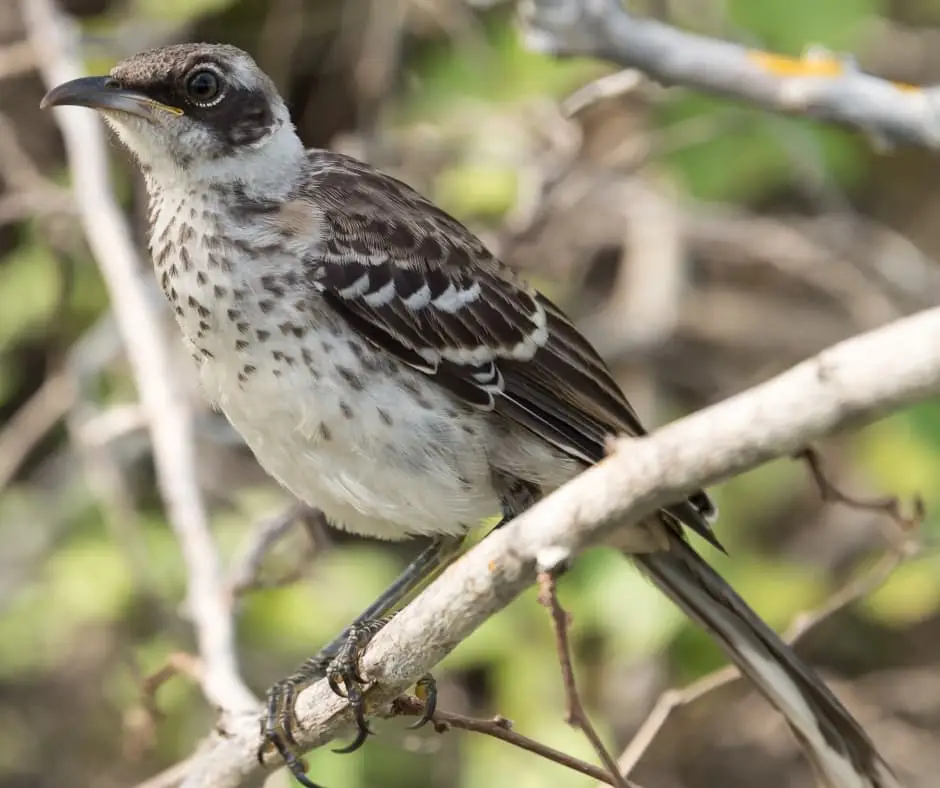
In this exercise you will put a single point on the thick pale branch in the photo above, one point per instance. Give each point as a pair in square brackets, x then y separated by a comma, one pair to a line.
[850, 383]
[52, 36]
[820, 85]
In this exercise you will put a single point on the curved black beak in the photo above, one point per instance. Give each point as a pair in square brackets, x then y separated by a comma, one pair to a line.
[103, 93]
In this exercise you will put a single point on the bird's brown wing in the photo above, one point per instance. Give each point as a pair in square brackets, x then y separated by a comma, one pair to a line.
[420, 285]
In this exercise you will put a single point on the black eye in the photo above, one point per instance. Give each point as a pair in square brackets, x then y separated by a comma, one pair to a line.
[203, 87]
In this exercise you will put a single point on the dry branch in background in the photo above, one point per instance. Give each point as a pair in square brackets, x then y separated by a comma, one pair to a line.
[500, 728]
[819, 85]
[53, 37]
[575, 713]
[848, 384]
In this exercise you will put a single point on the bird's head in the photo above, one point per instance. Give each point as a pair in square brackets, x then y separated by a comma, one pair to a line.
[206, 109]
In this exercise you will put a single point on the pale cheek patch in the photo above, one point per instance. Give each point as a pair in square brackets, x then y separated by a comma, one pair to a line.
[134, 136]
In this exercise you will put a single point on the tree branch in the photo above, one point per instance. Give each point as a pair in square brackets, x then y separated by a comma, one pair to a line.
[52, 36]
[855, 381]
[819, 85]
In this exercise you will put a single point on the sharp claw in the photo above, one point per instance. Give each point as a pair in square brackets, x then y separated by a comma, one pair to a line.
[304, 781]
[293, 763]
[278, 723]
[430, 706]
[287, 719]
[334, 685]
[354, 696]
[363, 724]
[298, 769]
[345, 669]
[277, 730]
[361, 735]
[429, 685]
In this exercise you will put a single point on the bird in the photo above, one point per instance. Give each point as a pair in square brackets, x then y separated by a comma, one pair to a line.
[385, 367]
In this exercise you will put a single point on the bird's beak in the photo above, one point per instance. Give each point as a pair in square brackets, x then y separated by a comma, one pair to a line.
[104, 93]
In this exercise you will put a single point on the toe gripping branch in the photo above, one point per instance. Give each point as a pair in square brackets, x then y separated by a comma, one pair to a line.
[338, 663]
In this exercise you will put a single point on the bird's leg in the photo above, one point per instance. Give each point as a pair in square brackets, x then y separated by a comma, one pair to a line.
[338, 660]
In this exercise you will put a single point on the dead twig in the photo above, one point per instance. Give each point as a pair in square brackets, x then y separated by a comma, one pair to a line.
[177, 664]
[889, 505]
[575, 714]
[264, 535]
[853, 590]
[140, 721]
[501, 728]
[32, 422]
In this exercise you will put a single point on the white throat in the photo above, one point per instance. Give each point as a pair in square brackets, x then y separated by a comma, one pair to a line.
[266, 169]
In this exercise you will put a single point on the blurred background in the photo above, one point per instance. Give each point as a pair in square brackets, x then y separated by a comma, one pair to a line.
[701, 245]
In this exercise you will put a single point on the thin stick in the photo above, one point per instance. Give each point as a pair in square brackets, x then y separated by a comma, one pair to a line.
[501, 728]
[888, 505]
[575, 715]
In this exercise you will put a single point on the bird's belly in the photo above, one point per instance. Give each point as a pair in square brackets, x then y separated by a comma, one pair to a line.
[378, 459]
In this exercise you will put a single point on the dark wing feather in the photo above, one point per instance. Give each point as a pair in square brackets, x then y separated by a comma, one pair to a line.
[419, 284]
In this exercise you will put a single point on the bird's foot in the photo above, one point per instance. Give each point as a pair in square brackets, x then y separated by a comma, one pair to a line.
[426, 690]
[340, 667]
[280, 720]
[344, 669]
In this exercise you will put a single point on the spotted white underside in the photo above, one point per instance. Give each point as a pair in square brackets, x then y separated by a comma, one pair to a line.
[391, 456]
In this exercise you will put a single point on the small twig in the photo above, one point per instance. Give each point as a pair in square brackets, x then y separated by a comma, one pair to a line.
[889, 505]
[58, 394]
[501, 728]
[32, 422]
[245, 576]
[667, 702]
[603, 88]
[140, 721]
[575, 715]
[853, 590]
[264, 535]
[177, 664]
[113, 423]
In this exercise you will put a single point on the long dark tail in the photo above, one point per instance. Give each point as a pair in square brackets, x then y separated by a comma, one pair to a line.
[839, 749]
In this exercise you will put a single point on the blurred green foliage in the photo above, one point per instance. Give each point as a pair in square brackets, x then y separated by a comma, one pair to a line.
[88, 581]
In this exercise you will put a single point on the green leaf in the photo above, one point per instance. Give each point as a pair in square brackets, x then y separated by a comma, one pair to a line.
[911, 594]
[790, 26]
[745, 160]
[29, 288]
[178, 10]
[478, 189]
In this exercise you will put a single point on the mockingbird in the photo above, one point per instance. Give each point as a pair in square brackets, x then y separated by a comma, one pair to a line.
[383, 366]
